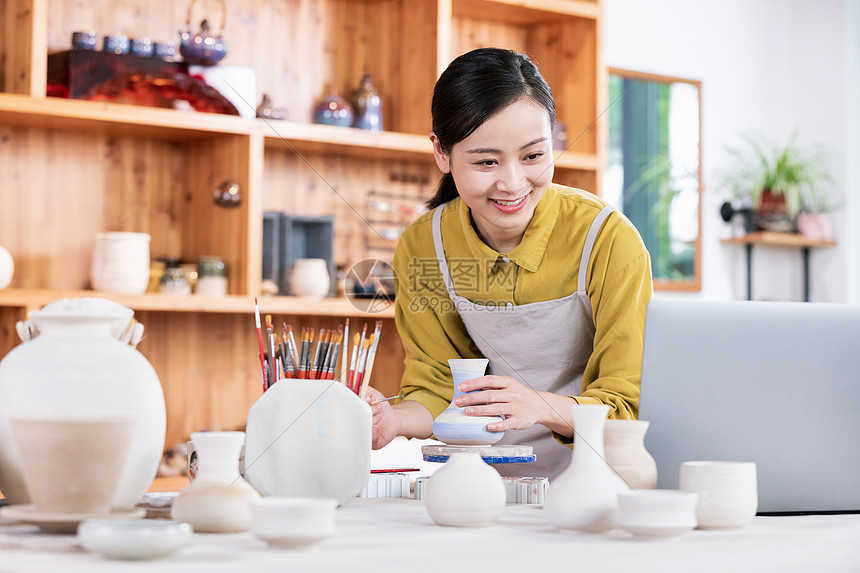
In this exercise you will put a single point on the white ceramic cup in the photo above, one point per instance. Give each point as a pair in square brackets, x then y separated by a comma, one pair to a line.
[657, 513]
[293, 521]
[728, 492]
[121, 262]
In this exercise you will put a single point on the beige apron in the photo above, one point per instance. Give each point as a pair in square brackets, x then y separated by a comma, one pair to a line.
[544, 345]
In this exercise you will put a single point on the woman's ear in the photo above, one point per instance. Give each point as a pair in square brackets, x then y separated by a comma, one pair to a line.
[442, 159]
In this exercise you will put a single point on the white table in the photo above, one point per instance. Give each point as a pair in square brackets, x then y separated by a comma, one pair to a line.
[376, 535]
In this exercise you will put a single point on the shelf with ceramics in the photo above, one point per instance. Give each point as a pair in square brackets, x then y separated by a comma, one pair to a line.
[34, 299]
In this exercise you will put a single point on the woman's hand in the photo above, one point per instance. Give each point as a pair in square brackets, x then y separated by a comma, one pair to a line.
[386, 424]
[520, 406]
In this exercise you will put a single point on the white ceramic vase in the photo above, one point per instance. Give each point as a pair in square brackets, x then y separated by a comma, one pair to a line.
[218, 501]
[121, 262]
[466, 491]
[76, 368]
[585, 495]
[453, 426]
[7, 267]
[624, 445]
[310, 278]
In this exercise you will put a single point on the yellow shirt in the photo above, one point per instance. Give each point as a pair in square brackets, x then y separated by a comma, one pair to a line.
[544, 266]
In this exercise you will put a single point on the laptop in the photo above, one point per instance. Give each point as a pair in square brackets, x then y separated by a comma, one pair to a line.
[770, 382]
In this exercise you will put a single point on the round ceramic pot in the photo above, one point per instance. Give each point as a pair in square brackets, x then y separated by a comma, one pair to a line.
[310, 278]
[466, 491]
[75, 367]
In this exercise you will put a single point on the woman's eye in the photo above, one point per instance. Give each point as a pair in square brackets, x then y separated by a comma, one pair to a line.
[486, 162]
[533, 156]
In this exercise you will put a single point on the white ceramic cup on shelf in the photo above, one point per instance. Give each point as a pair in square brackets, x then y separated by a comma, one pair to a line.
[121, 262]
[728, 492]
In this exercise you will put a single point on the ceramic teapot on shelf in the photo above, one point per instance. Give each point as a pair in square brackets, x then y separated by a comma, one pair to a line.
[203, 48]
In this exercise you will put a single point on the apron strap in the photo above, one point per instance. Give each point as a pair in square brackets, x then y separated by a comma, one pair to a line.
[590, 238]
[440, 252]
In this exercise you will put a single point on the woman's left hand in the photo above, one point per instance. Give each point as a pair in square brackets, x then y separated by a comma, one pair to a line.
[520, 406]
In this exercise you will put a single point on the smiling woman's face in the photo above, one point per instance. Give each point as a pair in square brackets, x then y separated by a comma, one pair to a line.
[502, 170]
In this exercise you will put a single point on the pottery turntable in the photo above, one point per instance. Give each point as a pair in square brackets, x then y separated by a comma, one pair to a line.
[506, 454]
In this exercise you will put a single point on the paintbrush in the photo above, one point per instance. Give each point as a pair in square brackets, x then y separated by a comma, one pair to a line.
[353, 360]
[375, 402]
[293, 349]
[270, 341]
[362, 361]
[371, 356]
[260, 342]
[315, 364]
[344, 369]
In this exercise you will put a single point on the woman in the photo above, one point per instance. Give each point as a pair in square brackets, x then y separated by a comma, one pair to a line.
[548, 282]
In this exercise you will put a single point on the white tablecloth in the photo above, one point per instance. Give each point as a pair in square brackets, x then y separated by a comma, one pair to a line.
[376, 535]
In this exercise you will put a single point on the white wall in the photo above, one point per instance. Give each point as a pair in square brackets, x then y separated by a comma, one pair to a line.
[769, 66]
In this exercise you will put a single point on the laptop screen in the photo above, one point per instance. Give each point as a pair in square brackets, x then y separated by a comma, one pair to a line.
[774, 383]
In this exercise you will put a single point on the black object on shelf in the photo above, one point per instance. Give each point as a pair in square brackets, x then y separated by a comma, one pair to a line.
[728, 211]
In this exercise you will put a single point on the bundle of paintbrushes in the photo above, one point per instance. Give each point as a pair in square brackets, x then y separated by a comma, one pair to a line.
[322, 355]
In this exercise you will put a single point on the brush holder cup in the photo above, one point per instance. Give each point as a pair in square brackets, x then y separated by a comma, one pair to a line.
[308, 438]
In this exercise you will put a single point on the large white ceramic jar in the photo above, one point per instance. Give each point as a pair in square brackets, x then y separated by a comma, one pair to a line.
[585, 495]
[76, 368]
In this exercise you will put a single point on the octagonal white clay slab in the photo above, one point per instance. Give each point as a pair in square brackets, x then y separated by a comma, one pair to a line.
[308, 438]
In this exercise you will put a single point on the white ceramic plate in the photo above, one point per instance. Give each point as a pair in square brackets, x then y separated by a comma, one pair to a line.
[62, 522]
[134, 538]
[655, 532]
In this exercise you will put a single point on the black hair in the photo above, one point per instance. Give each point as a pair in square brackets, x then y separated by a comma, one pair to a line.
[474, 87]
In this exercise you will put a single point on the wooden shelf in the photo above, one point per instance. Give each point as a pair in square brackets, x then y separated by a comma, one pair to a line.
[117, 119]
[34, 299]
[525, 11]
[344, 140]
[776, 239]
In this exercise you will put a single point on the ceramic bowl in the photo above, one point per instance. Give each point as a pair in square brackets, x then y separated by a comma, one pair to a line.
[657, 513]
[293, 521]
[134, 538]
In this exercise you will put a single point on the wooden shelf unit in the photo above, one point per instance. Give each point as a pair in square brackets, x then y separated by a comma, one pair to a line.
[779, 240]
[72, 168]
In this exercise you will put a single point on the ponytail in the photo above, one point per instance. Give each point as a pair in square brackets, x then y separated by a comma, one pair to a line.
[446, 191]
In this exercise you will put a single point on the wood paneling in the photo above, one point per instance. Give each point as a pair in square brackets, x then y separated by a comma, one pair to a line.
[69, 169]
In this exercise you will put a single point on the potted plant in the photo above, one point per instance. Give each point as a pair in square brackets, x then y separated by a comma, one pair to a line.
[778, 182]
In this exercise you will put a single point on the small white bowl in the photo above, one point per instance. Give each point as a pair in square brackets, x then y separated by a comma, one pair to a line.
[292, 522]
[657, 513]
[134, 538]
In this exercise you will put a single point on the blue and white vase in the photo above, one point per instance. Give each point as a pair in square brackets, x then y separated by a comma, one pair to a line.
[453, 426]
